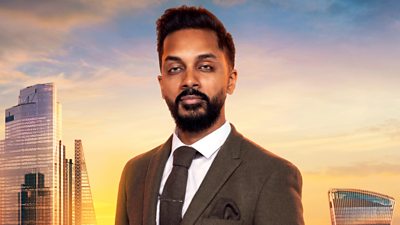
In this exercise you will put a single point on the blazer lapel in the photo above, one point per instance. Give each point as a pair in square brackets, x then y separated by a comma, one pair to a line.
[225, 163]
[152, 182]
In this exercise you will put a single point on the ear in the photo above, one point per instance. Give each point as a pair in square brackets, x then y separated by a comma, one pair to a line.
[159, 77]
[232, 81]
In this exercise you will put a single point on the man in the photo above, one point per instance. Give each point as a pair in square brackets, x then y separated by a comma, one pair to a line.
[206, 172]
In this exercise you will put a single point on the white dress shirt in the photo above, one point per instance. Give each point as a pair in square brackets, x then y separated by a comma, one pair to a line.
[208, 147]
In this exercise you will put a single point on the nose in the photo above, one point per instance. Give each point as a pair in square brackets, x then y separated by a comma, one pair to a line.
[190, 80]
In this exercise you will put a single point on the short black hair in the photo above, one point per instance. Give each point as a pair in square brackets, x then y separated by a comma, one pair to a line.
[186, 17]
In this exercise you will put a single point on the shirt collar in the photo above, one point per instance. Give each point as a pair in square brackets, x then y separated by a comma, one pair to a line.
[209, 144]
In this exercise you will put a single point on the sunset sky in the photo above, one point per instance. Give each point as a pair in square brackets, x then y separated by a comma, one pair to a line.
[318, 84]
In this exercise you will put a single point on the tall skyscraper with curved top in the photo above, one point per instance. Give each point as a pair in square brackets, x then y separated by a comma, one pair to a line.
[360, 207]
[33, 130]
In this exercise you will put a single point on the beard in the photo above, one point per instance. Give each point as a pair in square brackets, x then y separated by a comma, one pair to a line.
[200, 116]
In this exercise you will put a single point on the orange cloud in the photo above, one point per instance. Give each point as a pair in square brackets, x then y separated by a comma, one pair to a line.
[362, 169]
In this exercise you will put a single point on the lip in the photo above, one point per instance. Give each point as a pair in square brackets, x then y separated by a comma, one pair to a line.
[191, 99]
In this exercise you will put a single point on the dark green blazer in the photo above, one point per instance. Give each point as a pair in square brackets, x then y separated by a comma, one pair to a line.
[245, 184]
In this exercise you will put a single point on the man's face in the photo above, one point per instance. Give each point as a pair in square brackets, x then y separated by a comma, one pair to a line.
[195, 78]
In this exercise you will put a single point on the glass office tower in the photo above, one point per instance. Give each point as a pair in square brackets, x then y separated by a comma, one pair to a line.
[84, 209]
[33, 130]
[360, 207]
[1, 163]
[33, 201]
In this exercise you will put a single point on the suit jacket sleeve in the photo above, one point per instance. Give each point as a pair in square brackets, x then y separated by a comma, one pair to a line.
[279, 202]
[121, 217]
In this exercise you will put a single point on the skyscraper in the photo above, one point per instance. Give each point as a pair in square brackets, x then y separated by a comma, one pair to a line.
[84, 210]
[1, 178]
[33, 201]
[68, 191]
[360, 207]
[33, 130]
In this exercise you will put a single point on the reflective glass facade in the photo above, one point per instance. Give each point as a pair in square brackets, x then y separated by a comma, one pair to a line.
[360, 207]
[32, 134]
[84, 210]
[1, 163]
[34, 199]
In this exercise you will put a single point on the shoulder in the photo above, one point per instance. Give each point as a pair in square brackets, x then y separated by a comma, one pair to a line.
[279, 199]
[137, 166]
[275, 171]
[258, 158]
[136, 169]
[141, 161]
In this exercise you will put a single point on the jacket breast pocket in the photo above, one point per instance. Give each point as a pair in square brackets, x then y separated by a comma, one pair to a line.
[213, 221]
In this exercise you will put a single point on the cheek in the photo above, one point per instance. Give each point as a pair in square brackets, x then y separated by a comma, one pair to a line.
[170, 92]
[218, 84]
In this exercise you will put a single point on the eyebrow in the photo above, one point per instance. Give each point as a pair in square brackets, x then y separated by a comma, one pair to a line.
[206, 56]
[200, 57]
[173, 58]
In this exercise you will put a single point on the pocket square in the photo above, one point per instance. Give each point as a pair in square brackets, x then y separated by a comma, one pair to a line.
[226, 209]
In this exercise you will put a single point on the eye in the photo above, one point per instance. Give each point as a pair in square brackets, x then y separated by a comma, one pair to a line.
[175, 70]
[206, 68]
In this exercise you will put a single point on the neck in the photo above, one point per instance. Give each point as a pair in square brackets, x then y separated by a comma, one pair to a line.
[189, 138]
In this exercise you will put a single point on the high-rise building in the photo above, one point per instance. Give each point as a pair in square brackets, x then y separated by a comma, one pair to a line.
[84, 210]
[33, 201]
[1, 178]
[38, 184]
[68, 191]
[360, 207]
[33, 130]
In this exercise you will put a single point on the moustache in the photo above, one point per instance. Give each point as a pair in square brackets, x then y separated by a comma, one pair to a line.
[191, 91]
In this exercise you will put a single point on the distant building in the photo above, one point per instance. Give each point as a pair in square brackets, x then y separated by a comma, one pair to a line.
[1, 177]
[38, 184]
[34, 201]
[32, 133]
[68, 191]
[360, 207]
[67, 188]
[84, 210]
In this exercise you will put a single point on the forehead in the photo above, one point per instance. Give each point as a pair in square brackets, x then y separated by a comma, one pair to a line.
[191, 42]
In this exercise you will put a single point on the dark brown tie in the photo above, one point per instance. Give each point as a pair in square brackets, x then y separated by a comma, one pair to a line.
[173, 195]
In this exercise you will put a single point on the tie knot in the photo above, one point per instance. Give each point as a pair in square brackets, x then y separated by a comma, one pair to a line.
[183, 156]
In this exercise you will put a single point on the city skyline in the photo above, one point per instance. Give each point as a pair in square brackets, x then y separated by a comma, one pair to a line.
[38, 184]
[317, 84]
